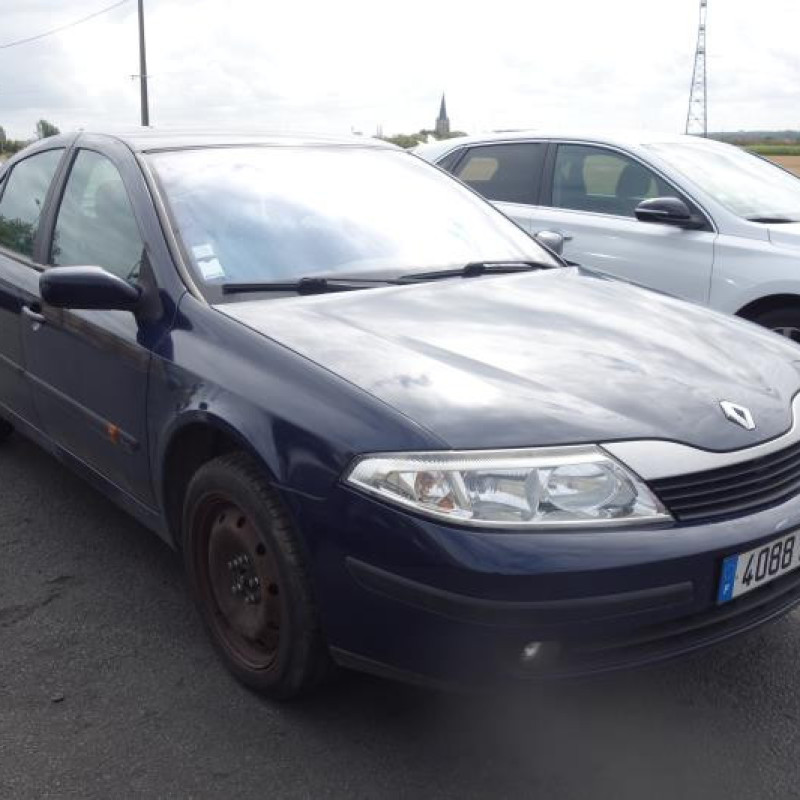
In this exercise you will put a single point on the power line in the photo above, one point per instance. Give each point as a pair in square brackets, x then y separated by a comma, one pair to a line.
[63, 27]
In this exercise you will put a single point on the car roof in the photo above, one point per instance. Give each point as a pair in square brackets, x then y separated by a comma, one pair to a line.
[621, 138]
[142, 140]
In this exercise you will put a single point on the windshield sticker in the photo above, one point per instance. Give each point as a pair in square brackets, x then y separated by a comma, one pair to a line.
[207, 262]
[211, 269]
[202, 251]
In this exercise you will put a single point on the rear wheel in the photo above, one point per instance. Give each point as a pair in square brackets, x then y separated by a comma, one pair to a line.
[784, 320]
[5, 430]
[249, 579]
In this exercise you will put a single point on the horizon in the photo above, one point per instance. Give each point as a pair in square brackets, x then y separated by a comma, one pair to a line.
[368, 77]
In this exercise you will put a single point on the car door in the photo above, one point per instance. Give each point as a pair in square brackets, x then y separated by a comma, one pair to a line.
[509, 174]
[23, 195]
[89, 367]
[589, 197]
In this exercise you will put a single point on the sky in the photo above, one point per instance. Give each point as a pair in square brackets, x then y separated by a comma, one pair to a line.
[354, 65]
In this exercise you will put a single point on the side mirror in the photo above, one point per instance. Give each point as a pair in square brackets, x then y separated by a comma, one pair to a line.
[87, 287]
[551, 240]
[667, 211]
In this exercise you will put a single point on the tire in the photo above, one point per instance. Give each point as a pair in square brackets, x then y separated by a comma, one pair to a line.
[248, 576]
[784, 320]
[6, 429]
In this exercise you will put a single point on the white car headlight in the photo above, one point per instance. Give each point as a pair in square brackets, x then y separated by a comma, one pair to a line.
[542, 488]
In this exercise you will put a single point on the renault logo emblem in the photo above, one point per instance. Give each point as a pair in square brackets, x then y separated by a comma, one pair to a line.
[738, 414]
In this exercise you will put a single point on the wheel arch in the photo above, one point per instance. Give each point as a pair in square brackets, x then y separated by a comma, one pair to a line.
[195, 441]
[762, 305]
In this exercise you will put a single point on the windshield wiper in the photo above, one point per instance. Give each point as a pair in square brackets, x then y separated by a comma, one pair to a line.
[773, 220]
[476, 269]
[307, 285]
[312, 284]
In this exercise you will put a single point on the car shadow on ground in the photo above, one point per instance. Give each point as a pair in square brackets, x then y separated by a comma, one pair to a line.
[108, 681]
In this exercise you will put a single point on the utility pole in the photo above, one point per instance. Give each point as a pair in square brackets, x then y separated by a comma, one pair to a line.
[143, 68]
[697, 117]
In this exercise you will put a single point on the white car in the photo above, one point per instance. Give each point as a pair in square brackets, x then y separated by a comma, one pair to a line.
[692, 217]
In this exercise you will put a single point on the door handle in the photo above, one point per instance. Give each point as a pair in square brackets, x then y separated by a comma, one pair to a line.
[34, 315]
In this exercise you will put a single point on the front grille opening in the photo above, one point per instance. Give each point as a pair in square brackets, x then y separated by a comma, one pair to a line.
[732, 491]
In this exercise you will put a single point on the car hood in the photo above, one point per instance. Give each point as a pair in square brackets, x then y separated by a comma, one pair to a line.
[554, 357]
[786, 235]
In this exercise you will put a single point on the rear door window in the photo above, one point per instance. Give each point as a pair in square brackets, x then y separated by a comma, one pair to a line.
[509, 173]
[22, 201]
[451, 159]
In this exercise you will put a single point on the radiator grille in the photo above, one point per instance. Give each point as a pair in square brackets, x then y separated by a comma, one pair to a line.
[735, 490]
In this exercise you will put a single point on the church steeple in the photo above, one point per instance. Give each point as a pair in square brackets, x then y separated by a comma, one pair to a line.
[442, 122]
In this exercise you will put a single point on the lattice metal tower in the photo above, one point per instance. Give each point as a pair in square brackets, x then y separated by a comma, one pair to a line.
[697, 118]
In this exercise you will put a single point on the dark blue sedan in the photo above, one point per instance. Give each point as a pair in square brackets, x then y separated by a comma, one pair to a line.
[384, 427]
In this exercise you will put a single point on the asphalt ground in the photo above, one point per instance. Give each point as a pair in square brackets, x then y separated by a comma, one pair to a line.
[109, 689]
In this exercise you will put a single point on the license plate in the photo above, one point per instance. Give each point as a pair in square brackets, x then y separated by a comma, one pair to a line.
[745, 572]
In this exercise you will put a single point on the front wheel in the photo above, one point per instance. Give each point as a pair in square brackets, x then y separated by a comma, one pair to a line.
[784, 321]
[248, 576]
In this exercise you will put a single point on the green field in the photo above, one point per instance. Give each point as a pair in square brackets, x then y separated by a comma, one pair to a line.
[775, 149]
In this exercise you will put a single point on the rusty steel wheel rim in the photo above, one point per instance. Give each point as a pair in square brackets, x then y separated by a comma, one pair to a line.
[239, 583]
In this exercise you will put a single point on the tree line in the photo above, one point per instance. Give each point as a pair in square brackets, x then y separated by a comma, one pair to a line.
[408, 140]
[45, 129]
[11, 146]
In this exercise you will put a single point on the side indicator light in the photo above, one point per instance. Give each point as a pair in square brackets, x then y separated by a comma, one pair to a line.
[112, 431]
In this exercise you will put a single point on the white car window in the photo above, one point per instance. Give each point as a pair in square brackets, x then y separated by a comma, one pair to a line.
[748, 186]
[603, 181]
[504, 172]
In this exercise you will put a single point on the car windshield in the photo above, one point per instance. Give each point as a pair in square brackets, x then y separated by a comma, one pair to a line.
[748, 186]
[266, 214]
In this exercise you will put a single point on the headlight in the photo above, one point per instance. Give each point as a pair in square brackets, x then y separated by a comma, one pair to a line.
[543, 488]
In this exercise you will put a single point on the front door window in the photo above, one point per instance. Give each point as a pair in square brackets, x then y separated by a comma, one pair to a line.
[95, 225]
[603, 181]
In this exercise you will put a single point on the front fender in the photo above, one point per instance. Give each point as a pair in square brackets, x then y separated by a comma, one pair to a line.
[302, 422]
[746, 270]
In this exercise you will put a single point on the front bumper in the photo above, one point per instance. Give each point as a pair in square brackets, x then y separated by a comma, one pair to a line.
[571, 657]
[403, 596]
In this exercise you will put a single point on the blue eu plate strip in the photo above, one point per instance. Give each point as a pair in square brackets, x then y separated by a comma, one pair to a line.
[728, 579]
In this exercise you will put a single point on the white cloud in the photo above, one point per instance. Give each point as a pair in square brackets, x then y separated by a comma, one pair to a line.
[333, 65]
